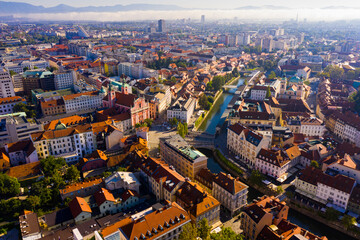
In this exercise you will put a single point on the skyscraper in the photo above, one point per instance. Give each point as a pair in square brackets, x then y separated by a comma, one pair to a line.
[203, 19]
[162, 26]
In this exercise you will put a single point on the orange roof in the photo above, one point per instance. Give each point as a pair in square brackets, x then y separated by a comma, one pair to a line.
[52, 103]
[152, 225]
[97, 154]
[77, 186]
[25, 171]
[78, 205]
[229, 183]
[68, 121]
[102, 196]
[115, 227]
[51, 134]
[191, 193]
[12, 100]
[126, 195]
[72, 96]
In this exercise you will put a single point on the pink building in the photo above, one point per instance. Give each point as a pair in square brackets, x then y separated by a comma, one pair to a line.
[128, 102]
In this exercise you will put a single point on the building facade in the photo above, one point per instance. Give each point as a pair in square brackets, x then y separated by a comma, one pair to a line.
[178, 153]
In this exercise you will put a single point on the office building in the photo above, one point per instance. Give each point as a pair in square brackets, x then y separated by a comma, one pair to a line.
[162, 26]
[6, 85]
[65, 79]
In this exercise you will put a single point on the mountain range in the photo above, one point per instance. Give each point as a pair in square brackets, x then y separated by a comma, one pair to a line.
[26, 8]
[20, 7]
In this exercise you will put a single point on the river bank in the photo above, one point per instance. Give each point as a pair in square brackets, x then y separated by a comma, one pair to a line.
[298, 216]
[218, 96]
[214, 116]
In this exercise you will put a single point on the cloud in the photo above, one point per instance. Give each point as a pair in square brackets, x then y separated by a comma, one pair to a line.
[261, 14]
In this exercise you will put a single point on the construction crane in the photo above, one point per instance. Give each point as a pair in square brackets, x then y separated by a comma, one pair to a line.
[100, 63]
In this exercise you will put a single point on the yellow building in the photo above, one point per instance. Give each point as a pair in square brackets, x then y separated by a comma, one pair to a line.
[179, 154]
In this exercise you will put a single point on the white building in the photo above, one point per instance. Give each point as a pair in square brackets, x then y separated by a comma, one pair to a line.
[230, 192]
[15, 127]
[65, 79]
[28, 64]
[157, 222]
[162, 180]
[345, 166]
[6, 85]
[312, 127]
[136, 70]
[70, 143]
[21, 152]
[85, 101]
[29, 226]
[334, 191]
[7, 104]
[182, 110]
[80, 209]
[258, 92]
[123, 180]
[246, 143]
[276, 163]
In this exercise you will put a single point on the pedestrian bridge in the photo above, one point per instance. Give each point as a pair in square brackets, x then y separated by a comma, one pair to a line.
[230, 86]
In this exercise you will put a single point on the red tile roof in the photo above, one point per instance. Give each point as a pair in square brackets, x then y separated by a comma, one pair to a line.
[79, 205]
[103, 195]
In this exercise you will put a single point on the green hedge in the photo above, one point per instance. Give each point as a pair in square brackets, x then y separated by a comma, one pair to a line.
[228, 163]
[199, 120]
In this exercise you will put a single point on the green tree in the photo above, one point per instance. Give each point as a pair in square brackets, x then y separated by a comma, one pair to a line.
[32, 202]
[25, 69]
[334, 72]
[355, 98]
[203, 229]
[279, 190]
[50, 165]
[256, 177]
[226, 233]
[235, 72]
[72, 174]
[12, 73]
[186, 128]
[180, 130]
[218, 82]
[173, 122]
[210, 99]
[350, 75]
[314, 164]
[189, 232]
[268, 92]
[148, 122]
[173, 79]
[251, 64]
[331, 214]
[9, 186]
[106, 174]
[22, 107]
[272, 75]
[348, 221]
[203, 101]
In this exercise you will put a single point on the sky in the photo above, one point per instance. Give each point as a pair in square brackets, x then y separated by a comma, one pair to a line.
[201, 3]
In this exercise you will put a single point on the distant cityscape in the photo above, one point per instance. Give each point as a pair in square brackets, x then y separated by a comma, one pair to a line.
[178, 129]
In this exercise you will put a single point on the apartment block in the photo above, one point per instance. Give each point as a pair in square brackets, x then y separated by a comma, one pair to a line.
[179, 154]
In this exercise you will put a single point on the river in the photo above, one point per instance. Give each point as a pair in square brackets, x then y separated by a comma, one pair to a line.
[214, 117]
[209, 125]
